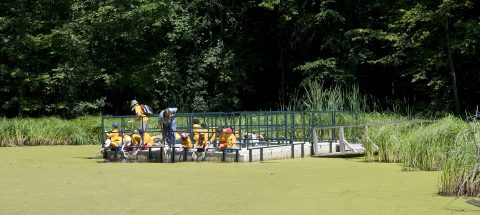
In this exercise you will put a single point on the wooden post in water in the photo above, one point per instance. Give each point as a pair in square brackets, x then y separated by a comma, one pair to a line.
[341, 137]
[315, 147]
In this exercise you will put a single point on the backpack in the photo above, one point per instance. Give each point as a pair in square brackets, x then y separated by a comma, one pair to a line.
[147, 110]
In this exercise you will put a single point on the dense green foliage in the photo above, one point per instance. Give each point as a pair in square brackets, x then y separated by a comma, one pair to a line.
[70, 58]
[449, 145]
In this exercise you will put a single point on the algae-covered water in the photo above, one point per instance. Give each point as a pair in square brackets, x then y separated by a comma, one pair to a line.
[63, 180]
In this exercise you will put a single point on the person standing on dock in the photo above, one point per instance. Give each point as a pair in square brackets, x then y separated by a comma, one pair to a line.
[167, 120]
[142, 118]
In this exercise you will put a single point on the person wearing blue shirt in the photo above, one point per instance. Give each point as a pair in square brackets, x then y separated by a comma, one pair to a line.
[167, 120]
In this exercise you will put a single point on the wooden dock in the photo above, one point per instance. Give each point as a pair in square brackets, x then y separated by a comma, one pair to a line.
[339, 154]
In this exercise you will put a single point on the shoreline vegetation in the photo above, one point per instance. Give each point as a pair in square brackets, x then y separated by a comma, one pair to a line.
[49, 131]
[449, 144]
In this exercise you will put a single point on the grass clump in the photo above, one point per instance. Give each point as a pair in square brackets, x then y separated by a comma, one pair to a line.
[460, 174]
[318, 97]
[388, 139]
[49, 131]
[426, 147]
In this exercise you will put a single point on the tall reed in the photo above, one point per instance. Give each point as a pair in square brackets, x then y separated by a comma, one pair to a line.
[460, 174]
[426, 147]
[388, 139]
[318, 97]
[49, 131]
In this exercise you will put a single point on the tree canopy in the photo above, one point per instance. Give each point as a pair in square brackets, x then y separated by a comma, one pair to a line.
[69, 57]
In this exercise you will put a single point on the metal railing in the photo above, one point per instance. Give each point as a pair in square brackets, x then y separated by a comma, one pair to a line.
[272, 128]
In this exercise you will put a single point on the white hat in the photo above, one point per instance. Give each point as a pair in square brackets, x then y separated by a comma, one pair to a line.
[128, 140]
[133, 102]
[107, 143]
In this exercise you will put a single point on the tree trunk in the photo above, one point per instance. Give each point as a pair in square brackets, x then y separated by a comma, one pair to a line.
[452, 68]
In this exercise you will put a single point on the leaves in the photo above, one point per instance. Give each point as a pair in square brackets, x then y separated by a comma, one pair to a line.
[79, 57]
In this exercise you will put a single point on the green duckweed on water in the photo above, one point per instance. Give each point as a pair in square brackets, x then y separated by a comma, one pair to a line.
[64, 180]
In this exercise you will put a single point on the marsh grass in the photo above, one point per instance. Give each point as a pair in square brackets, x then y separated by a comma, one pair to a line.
[49, 131]
[448, 144]
[426, 147]
[318, 97]
[460, 174]
[388, 139]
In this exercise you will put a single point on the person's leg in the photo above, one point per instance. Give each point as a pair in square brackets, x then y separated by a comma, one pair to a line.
[143, 125]
[171, 137]
[194, 155]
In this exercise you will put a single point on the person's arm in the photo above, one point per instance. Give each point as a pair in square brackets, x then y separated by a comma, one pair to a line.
[214, 136]
[174, 124]
[160, 117]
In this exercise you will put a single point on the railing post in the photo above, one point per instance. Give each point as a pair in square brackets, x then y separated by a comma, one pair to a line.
[293, 136]
[249, 155]
[236, 155]
[223, 155]
[172, 159]
[334, 122]
[185, 150]
[314, 144]
[261, 154]
[149, 153]
[303, 127]
[341, 137]
[115, 154]
[356, 124]
[293, 149]
[105, 153]
[102, 132]
[302, 149]
[160, 156]
[286, 125]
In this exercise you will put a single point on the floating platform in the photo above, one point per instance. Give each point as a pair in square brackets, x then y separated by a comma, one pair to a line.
[273, 152]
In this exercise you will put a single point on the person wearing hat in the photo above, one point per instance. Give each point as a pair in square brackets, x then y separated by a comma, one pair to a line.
[126, 139]
[231, 139]
[113, 137]
[142, 119]
[114, 132]
[185, 141]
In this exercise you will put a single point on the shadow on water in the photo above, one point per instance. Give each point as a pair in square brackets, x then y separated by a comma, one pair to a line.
[123, 161]
[267, 162]
[89, 158]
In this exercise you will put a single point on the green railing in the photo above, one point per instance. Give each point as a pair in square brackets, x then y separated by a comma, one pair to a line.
[276, 127]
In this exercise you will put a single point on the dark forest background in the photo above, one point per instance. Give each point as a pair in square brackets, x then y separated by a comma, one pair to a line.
[73, 57]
